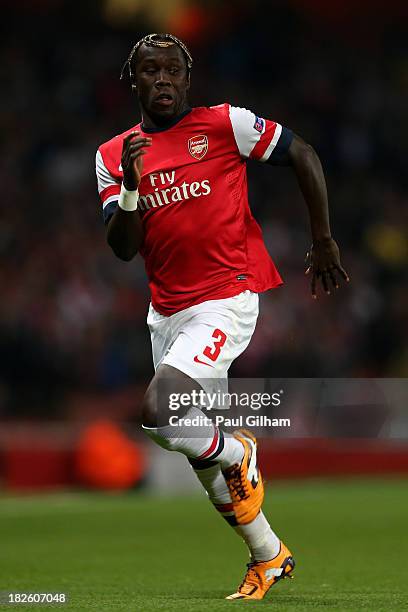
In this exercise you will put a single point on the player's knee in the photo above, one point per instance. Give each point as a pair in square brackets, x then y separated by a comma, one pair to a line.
[150, 411]
[153, 404]
[151, 426]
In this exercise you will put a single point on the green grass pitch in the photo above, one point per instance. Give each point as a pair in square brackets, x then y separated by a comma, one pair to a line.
[139, 553]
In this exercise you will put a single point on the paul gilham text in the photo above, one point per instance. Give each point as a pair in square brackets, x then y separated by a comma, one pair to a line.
[250, 420]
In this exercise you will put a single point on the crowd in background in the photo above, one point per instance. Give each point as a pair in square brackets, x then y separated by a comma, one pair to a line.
[72, 316]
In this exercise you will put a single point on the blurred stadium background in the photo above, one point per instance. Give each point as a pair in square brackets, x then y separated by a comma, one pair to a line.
[74, 346]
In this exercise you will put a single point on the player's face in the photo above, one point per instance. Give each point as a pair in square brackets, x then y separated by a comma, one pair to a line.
[162, 81]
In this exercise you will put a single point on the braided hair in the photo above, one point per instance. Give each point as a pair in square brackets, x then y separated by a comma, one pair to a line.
[155, 40]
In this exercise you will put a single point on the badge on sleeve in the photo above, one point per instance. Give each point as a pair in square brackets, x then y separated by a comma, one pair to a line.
[259, 124]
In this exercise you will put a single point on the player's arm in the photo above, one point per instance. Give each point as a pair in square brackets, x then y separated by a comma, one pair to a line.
[270, 142]
[125, 232]
[324, 258]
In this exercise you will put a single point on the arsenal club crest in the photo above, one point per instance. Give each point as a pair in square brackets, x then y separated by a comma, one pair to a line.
[198, 146]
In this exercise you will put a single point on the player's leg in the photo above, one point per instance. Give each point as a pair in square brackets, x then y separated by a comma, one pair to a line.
[205, 340]
[204, 441]
[197, 442]
[239, 321]
[270, 558]
[262, 542]
[189, 348]
[186, 347]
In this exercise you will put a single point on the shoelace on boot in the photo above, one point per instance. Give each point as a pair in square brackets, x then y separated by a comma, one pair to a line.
[251, 579]
[236, 482]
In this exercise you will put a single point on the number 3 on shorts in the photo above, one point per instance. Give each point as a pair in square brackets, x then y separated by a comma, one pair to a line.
[212, 352]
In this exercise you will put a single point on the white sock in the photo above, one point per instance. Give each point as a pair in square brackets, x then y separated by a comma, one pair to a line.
[262, 542]
[203, 442]
[214, 483]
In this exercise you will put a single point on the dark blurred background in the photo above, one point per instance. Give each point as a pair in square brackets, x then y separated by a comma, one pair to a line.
[72, 317]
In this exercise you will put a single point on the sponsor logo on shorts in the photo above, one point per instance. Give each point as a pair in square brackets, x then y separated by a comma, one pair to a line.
[198, 360]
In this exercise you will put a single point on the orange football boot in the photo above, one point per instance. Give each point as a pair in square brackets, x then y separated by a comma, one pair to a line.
[244, 481]
[261, 575]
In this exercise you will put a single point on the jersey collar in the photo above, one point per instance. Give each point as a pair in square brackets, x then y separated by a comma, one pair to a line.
[169, 125]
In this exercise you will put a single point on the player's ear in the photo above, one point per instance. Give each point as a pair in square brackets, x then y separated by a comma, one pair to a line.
[188, 81]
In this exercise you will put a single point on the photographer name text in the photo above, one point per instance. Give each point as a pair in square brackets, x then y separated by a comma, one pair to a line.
[250, 420]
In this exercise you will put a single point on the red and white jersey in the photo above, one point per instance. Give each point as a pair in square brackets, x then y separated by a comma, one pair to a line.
[201, 241]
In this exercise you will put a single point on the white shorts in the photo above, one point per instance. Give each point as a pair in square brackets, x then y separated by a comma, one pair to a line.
[202, 341]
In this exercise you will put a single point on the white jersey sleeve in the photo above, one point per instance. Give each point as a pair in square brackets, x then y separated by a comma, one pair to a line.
[258, 138]
[108, 187]
[106, 181]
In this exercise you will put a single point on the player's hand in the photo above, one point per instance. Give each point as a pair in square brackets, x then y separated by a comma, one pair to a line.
[134, 147]
[323, 262]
